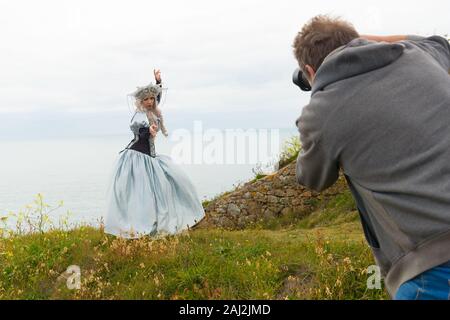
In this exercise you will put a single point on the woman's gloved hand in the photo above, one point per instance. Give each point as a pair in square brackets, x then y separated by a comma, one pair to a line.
[153, 128]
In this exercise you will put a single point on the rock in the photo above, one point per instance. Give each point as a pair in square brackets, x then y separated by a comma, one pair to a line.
[242, 222]
[287, 211]
[277, 184]
[276, 209]
[276, 194]
[291, 193]
[226, 223]
[268, 214]
[220, 210]
[279, 193]
[233, 210]
[307, 194]
[292, 181]
[254, 209]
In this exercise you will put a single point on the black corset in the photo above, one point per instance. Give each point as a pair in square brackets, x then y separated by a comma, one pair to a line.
[143, 142]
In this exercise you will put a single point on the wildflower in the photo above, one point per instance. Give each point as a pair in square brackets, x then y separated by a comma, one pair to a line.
[320, 251]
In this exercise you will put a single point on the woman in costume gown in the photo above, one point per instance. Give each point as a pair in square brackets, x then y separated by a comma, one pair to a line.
[149, 194]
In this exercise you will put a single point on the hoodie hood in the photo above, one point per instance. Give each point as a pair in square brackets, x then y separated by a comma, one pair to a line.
[357, 57]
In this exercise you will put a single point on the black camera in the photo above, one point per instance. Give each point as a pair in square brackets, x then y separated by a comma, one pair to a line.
[300, 80]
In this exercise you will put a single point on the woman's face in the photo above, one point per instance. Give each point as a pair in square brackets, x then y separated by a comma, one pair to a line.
[148, 102]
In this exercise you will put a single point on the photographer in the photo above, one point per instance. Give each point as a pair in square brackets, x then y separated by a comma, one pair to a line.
[379, 111]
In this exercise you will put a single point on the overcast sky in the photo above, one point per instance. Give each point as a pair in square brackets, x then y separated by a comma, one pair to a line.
[67, 66]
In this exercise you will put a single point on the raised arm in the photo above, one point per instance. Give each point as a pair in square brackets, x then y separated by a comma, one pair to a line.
[157, 74]
[437, 46]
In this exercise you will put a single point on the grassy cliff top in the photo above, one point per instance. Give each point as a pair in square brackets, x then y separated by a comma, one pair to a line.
[322, 256]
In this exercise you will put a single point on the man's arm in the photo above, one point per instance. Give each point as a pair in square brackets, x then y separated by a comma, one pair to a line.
[384, 38]
[437, 46]
[315, 168]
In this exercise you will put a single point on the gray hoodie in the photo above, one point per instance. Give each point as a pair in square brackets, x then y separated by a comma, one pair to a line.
[380, 112]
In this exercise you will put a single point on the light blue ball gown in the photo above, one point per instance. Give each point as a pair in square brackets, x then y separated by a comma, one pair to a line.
[149, 194]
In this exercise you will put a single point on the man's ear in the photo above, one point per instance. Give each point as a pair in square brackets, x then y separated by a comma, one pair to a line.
[311, 73]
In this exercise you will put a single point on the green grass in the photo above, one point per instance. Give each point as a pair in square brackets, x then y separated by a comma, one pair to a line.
[321, 256]
[258, 176]
[289, 152]
[338, 210]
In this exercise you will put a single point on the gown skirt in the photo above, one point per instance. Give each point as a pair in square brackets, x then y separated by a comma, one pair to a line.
[150, 196]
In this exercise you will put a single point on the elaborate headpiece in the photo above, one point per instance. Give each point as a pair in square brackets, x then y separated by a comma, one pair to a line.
[135, 98]
[151, 90]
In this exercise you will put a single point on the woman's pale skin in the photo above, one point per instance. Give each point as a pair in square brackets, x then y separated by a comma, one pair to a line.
[150, 102]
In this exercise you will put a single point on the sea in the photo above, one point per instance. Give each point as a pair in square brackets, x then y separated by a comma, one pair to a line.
[70, 175]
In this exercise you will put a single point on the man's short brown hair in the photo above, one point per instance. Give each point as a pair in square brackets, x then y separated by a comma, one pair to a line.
[320, 36]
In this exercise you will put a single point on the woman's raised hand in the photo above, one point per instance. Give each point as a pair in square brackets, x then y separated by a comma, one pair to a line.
[157, 74]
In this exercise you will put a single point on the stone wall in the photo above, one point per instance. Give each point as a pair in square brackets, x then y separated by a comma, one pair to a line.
[274, 195]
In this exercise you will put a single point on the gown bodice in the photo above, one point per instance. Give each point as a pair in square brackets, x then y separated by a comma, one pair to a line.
[142, 141]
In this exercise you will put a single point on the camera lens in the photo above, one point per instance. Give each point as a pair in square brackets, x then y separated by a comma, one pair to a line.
[300, 80]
